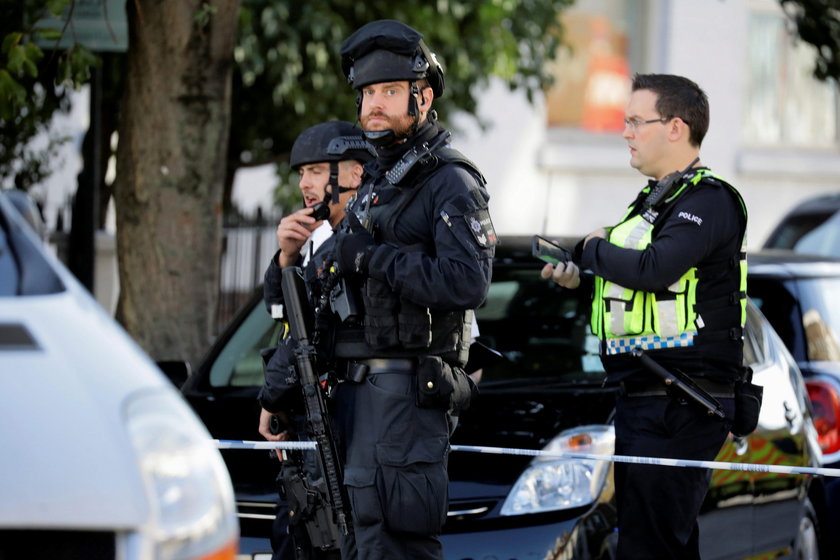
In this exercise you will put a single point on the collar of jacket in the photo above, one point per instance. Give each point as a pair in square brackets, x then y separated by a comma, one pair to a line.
[388, 157]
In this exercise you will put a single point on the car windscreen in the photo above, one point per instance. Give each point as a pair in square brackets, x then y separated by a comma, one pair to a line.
[541, 330]
[814, 233]
[24, 270]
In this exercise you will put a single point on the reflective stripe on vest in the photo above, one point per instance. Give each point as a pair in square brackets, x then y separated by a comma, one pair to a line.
[651, 342]
[624, 317]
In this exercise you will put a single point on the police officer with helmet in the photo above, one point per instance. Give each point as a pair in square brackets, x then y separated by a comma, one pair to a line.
[415, 251]
[669, 297]
[329, 158]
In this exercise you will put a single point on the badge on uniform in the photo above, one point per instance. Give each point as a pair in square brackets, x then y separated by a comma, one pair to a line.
[481, 226]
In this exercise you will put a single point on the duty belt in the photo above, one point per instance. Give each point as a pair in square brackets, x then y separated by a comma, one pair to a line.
[639, 388]
[357, 370]
[648, 342]
[388, 365]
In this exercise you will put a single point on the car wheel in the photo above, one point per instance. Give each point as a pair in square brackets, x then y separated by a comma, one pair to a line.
[807, 540]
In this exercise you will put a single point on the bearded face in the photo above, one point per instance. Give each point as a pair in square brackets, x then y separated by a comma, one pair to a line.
[385, 107]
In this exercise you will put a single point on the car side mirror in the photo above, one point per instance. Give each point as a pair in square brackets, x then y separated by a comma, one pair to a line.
[176, 370]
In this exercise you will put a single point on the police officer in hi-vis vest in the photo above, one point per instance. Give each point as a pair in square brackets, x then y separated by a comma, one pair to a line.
[669, 285]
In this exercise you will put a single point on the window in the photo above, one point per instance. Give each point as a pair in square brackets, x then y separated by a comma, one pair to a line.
[593, 75]
[776, 301]
[541, 329]
[785, 104]
[240, 363]
[821, 318]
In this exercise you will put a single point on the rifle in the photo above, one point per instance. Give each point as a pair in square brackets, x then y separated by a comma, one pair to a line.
[300, 315]
[682, 383]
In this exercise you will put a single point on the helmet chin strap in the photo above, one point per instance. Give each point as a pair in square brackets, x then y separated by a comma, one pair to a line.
[331, 197]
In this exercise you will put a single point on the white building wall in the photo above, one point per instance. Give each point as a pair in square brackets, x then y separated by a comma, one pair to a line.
[568, 182]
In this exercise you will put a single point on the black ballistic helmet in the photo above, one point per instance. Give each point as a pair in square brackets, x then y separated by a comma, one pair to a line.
[331, 141]
[388, 50]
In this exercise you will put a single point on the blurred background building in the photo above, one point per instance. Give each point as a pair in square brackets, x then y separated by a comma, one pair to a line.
[559, 166]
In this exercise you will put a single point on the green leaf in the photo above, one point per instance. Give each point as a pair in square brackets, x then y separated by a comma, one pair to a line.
[12, 95]
[49, 34]
[11, 40]
[17, 58]
[56, 7]
[30, 68]
[33, 52]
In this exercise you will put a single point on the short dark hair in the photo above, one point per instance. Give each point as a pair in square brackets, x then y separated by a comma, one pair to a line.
[678, 97]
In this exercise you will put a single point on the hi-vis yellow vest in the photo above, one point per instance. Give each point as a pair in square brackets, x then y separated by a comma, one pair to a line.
[626, 319]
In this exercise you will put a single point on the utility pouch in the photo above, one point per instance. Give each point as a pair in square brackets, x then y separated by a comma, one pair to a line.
[440, 385]
[747, 405]
[415, 325]
[381, 303]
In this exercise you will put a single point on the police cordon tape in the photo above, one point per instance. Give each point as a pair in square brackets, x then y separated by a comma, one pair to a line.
[721, 465]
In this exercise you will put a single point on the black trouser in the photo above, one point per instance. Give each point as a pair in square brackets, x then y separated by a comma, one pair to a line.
[395, 468]
[281, 541]
[658, 505]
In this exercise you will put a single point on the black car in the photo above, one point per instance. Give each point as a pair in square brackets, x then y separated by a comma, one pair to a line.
[547, 393]
[798, 294]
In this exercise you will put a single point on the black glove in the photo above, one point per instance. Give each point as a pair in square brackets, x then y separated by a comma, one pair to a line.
[353, 251]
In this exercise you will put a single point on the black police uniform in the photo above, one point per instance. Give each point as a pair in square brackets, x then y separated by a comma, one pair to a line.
[292, 537]
[658, 505]
[329, 142]
[430, 267]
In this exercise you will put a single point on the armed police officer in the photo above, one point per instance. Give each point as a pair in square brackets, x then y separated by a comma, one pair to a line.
[415, 252]
[670, 289]
[329, 159]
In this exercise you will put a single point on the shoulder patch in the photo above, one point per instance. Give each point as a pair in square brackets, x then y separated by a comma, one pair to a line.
[691, 218]
[481, 227]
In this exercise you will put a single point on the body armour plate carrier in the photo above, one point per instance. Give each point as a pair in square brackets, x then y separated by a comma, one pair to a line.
[394, 326]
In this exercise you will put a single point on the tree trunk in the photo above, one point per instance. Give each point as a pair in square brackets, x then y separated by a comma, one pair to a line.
[173, 132]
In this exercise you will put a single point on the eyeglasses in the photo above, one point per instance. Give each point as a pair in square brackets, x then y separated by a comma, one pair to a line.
[634, 124]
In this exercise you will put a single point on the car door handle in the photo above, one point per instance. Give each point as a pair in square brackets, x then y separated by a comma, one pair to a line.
[790, 414]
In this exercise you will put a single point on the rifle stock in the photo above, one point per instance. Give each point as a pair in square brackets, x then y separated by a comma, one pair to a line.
[299, 315]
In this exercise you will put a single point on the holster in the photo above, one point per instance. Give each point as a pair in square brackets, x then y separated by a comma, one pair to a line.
[440, 385]
[307, 506]
[748, 399]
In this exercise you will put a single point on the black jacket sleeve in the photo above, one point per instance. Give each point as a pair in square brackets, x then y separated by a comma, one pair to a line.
[272, 284]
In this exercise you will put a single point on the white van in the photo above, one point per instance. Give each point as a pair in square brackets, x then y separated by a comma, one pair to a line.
[100, 456]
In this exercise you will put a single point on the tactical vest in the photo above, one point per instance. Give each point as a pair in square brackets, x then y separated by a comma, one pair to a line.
[394, 326]
[625, 319]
